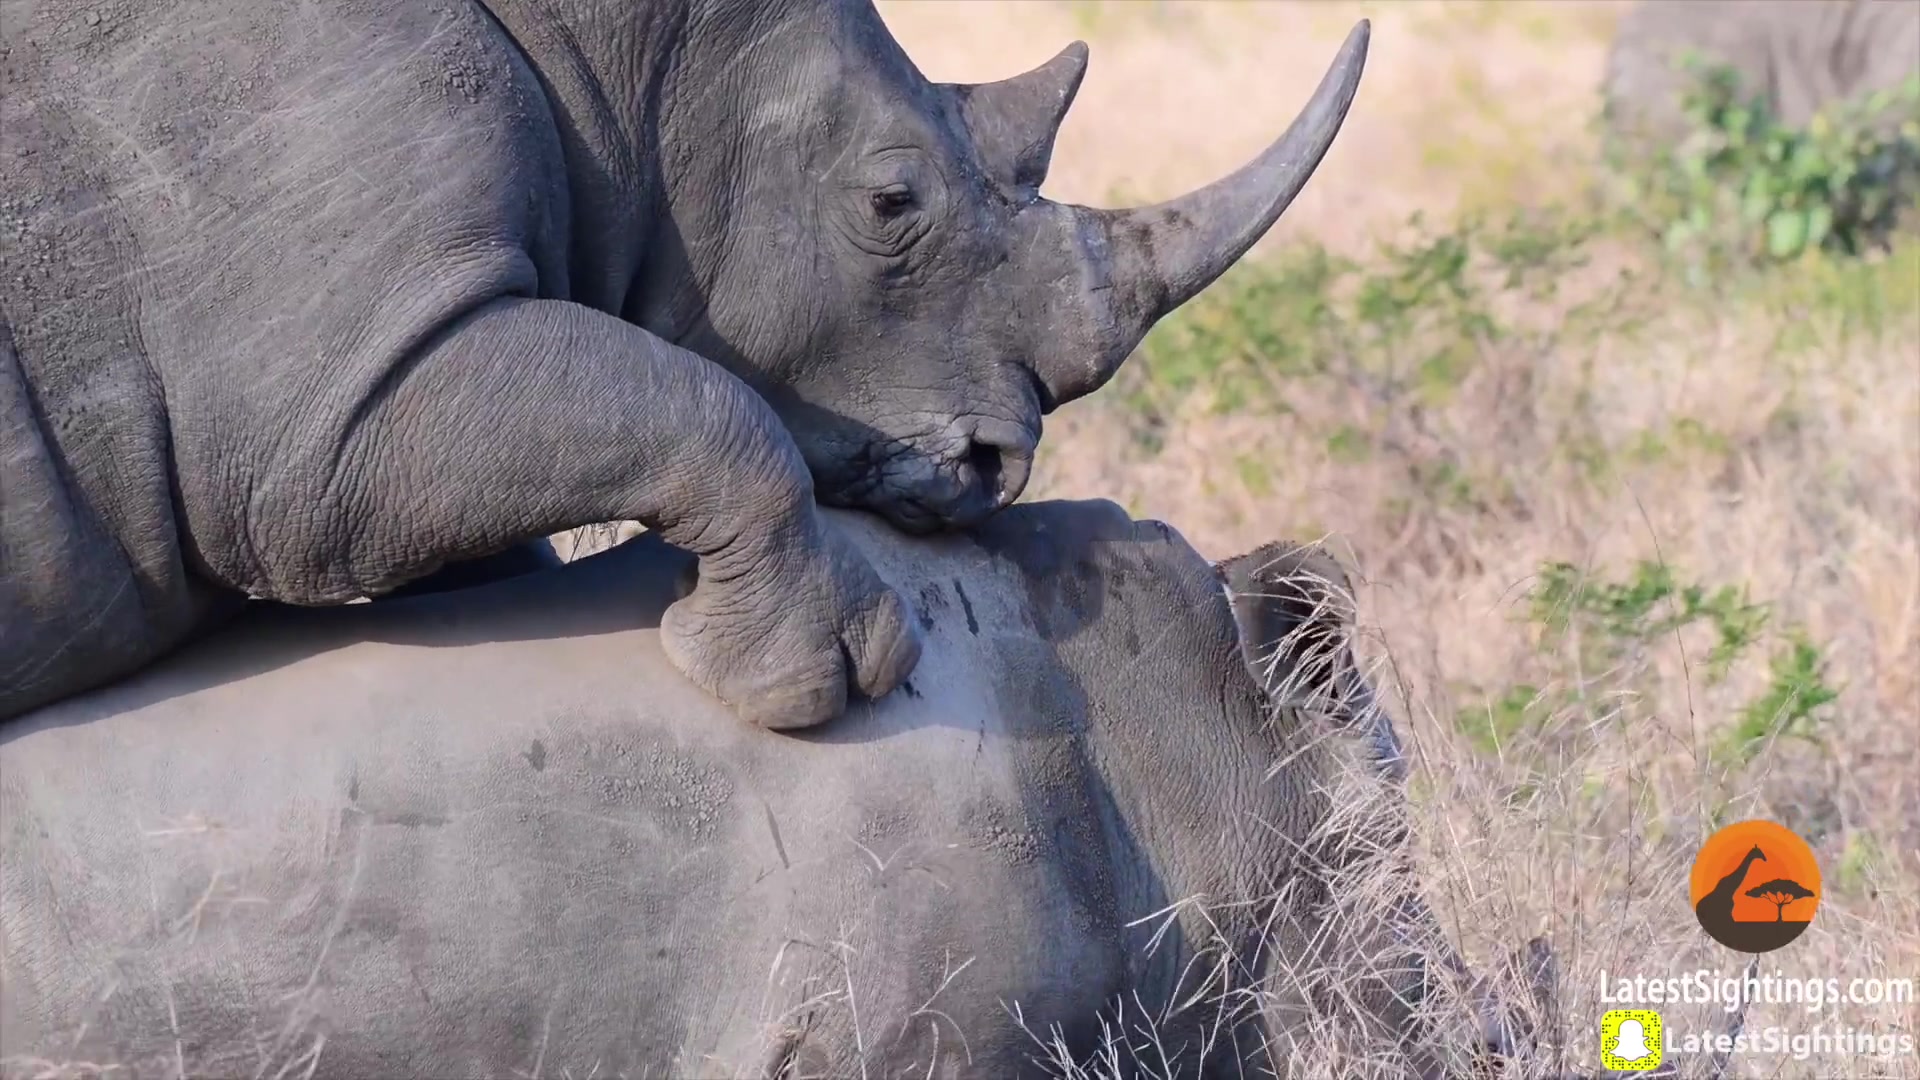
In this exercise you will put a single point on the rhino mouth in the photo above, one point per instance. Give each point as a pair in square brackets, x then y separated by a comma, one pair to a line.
[954, 479]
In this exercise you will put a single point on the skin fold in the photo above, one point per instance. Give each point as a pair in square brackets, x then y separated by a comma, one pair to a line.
[352, 292]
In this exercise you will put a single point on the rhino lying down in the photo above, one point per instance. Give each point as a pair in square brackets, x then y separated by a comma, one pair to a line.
[495, 833]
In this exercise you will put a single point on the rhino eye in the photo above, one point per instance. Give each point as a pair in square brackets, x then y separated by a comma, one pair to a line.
[892, 202]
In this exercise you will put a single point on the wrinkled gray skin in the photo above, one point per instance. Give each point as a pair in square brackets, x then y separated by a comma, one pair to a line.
[311, 306]
[494, 830]
[1800, 55]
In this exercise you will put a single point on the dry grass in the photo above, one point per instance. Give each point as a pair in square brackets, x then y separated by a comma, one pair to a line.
[1768, 441]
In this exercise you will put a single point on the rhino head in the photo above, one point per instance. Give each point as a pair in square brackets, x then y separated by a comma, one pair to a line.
[871, 252]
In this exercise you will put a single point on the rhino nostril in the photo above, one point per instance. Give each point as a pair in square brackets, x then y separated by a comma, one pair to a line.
[995, 460]
[989, 467]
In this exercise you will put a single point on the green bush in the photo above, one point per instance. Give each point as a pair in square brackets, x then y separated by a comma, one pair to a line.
[1408, 324]
[1791, 706]
[1594, 633]
[1744, 187]
[1647, 607]
[1728, 206]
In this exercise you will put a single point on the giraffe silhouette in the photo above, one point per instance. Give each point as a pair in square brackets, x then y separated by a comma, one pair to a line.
[1715, 911]
[1717, 906]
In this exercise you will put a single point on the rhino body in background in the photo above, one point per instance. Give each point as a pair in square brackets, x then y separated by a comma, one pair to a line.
[307, 299]
[1799, 55]
[494, 830]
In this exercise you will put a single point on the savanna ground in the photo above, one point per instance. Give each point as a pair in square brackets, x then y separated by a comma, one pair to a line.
[1635, 535]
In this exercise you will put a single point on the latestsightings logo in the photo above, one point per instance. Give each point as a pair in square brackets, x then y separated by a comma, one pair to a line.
[1755, 886]
[1630, 1040]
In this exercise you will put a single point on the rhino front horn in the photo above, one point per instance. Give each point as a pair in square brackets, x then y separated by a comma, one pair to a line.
[1158, 257]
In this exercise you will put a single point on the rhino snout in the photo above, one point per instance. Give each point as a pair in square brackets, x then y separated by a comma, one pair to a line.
[977, 468]
[999, 460]
[984, 472]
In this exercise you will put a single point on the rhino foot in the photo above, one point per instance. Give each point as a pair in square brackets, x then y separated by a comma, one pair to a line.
[779, 636]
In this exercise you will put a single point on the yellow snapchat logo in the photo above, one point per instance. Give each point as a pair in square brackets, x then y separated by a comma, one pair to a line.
[1630, 1040]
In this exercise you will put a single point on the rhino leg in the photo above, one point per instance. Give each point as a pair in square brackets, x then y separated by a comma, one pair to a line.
[527, 417]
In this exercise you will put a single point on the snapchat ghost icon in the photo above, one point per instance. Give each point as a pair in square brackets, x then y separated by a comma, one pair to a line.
[1630, 1040]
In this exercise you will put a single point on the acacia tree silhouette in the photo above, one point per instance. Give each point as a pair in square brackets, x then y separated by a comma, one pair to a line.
[1780, 892]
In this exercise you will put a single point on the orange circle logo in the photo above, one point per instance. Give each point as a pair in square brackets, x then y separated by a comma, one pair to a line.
[1755, 886]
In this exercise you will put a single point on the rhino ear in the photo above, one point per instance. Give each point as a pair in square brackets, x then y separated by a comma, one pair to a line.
[1013, 122]
[1293, 606]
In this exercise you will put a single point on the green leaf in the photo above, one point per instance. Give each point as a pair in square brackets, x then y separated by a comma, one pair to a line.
[1819, 223]
[1758, 201]
[1806, 163]
[1786, 233]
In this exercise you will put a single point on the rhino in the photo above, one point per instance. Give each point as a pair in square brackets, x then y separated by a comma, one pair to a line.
[303, 301]
[1798, 58]
[1104, 825]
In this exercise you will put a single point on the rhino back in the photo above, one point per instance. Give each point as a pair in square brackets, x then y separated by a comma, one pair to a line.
[489, 830]
[226, 222]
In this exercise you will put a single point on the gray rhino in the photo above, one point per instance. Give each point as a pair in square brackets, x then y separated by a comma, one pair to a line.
[1798, 57]
[494, 832]
[305, 300]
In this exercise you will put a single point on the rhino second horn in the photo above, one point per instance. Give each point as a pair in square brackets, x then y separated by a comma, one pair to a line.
[1013, 122]
[1162, 255]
